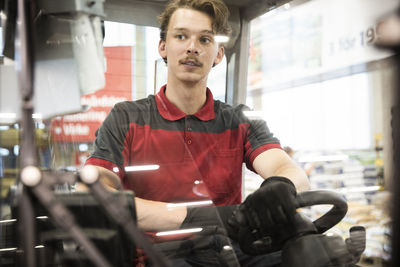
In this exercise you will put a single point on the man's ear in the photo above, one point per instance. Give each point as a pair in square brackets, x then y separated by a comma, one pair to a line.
[220, 55]
[162, 49]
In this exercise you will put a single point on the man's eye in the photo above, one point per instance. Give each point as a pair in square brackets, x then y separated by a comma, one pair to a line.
[205, 40]
[180, 36]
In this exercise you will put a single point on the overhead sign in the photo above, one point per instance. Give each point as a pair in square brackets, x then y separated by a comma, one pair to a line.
[313, 38]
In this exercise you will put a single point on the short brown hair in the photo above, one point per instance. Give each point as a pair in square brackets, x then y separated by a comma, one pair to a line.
[216, 9]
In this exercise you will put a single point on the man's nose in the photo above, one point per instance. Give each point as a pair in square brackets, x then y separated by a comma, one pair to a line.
[193, 47]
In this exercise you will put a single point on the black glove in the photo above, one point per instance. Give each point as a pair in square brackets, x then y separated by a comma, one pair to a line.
[220, 216]
[267, 216]
[207, 216]
[273, 203]
[209, 247]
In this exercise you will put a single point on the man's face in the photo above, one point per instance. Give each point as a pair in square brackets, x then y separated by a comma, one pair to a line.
[190, 47]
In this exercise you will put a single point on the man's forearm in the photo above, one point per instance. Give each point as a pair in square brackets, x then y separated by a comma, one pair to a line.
[151, 215]
[156, 216]
[275, 162]
[296, 175]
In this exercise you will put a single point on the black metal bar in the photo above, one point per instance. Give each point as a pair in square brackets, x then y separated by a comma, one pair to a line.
[388, 29]
[117, 210]
[24, 66]
[395, 261]
[65, 220]
[24, 59]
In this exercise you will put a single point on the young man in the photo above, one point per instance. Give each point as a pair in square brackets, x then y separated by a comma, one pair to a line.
[198, 143]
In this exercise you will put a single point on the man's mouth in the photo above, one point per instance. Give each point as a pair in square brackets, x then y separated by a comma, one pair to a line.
[191, 63]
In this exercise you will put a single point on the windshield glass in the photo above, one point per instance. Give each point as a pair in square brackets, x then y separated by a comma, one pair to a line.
[197, 143]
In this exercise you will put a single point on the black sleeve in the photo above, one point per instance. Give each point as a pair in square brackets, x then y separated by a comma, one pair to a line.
[111, 136]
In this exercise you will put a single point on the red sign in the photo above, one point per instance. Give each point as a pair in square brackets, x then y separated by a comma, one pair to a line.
[81, 127]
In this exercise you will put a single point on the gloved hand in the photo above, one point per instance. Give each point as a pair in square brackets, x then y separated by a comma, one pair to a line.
[273, 203]
[212, 216]
[207, 216]
[209, 247]
[267, 216]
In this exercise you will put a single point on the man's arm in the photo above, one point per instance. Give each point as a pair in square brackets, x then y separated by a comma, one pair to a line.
[270, 211]
[152, 215]
[156, 216]
[276, 162]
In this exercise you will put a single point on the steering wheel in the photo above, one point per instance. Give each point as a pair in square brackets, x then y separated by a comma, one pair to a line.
[321, 197]
[273, 239]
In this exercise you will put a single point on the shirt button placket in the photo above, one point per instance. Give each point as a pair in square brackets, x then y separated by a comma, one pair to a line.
[188, 129]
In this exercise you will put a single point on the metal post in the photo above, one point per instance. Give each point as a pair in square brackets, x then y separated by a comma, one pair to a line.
[24, 66]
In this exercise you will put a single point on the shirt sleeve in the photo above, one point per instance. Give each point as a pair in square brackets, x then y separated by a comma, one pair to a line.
[111, 141]
[258, 138]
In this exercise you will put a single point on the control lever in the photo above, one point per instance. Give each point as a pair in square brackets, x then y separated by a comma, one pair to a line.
[117, 210]
[33, 178]
[317, 250]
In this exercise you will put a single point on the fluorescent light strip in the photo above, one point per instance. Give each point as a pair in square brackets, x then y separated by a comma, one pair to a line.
[221, 38]
[323, 158]
[253, 113]
[7, 249]
[8, 115]
[188, 204]
[139, 168]
[7, 221]
[183, 231]
[359, 189]
[14, 220]
[14, 115]
[37, 116]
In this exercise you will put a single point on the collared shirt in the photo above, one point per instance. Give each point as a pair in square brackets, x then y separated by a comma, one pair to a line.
[192, 157]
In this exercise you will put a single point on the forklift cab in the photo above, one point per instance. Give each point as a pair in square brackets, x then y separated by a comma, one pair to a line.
[308, 68]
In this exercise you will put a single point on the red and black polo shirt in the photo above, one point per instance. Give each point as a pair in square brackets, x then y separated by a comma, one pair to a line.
[199, 156]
